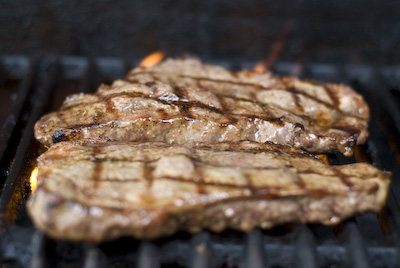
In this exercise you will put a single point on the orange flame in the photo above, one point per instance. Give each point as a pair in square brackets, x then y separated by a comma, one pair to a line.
[324, 158]
[33, 179]
[260, 68]
[152, 59]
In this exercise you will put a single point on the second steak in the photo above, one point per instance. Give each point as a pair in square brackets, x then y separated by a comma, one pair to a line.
[164, 112]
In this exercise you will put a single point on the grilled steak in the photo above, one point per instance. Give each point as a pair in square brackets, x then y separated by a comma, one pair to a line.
[184, 101]
[326, 106]
[98, 192]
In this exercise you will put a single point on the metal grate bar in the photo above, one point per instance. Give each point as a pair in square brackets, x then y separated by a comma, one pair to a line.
[111, 69]
[27, 135]
[356, 249]
[39, 254]
[90, 78]
[94, 258]
[255, 249]
[2, 73]
[305, 253]
[12, 118]
[201, 251]
[149, 256]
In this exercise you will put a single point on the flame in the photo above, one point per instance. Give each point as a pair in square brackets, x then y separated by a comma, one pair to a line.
[152, 59]
[324, 158]
[33, 179]
[260, 67]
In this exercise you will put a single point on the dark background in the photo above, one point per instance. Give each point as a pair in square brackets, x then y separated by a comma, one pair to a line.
[357, 31]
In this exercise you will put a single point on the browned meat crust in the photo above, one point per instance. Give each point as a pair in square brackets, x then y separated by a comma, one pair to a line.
[148, 190]
[326, 106]
[203, 103]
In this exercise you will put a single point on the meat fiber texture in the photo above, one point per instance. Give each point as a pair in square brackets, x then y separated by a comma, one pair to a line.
[186, 101]
[98, 192]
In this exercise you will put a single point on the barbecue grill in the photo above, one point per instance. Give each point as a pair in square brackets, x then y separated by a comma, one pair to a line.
[41, 84]
[353, 42]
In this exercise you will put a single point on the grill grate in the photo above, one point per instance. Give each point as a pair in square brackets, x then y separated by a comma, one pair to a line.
[35, 86]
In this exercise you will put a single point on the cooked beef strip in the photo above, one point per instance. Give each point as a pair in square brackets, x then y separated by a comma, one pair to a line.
[98, 192]
[180, 112]
[324, 105]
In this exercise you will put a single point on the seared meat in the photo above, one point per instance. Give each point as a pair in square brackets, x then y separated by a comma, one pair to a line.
[98, 192]
[325, 106]
[184, 101]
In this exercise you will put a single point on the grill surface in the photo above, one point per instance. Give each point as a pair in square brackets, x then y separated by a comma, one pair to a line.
[32, 87]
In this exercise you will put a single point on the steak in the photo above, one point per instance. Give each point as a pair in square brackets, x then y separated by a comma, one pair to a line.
[335, 112]
[184, 102]
[98, 192]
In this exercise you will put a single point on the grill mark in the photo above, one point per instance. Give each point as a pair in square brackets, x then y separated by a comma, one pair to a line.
[332, 95]
[258, 86]
[98, 167]
[328, 90]
[295, 95]
[198, 175]
[343, 177]
[222, 101]
[110, 108]
[299, 181]
[184, 109]
[147, 174]
[249, 183]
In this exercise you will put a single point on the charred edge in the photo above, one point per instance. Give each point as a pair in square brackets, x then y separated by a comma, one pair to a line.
[298, 125]
[273, 120]
[354, 132]
[59, 136]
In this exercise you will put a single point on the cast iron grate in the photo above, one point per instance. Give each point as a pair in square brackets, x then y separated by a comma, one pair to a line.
[32, 87]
